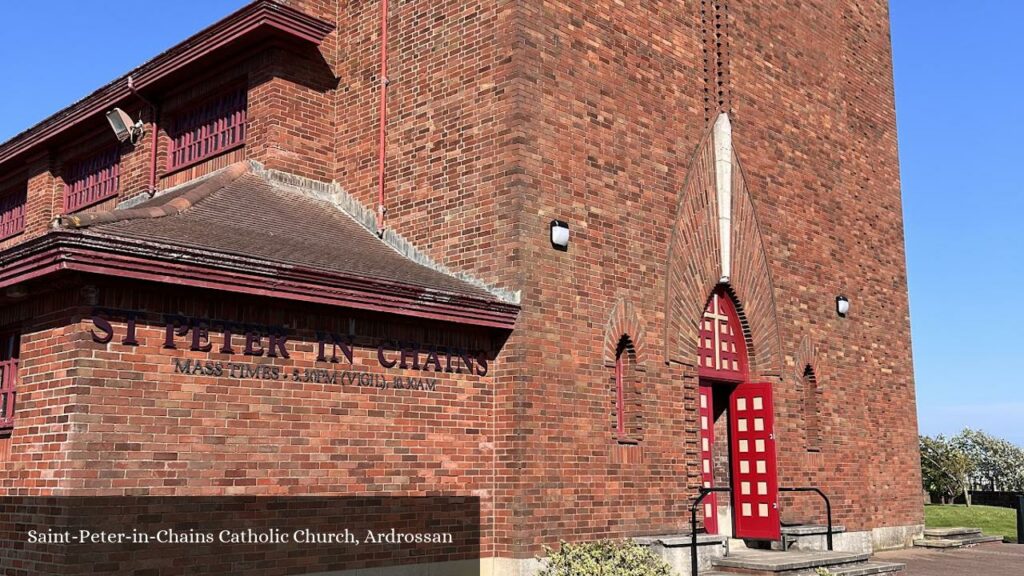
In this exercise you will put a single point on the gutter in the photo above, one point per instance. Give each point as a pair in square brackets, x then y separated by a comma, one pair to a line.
[169, 264]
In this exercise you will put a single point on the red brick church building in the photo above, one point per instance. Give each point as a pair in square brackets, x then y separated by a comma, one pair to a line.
[317, 258]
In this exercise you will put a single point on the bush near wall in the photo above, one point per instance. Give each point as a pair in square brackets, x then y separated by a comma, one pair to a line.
[603, 558]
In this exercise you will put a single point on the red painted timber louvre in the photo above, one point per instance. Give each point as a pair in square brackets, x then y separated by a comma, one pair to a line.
[12, 211]
[207, 129]
[754, 467]
[91, 180]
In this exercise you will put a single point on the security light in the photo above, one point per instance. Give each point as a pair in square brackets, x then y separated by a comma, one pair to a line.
[123, 127]
[560, 235]
[842, 306]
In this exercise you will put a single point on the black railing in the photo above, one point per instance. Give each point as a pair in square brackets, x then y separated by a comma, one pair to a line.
[704, 492]
[693, 524]
[828, 509]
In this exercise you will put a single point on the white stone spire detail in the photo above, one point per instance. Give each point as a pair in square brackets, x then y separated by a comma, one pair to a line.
[723, 190]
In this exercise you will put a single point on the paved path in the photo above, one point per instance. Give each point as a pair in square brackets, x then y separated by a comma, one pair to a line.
[980, 560]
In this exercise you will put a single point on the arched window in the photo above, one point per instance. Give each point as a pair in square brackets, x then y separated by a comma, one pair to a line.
[721, 350]
[626, 424]
[621, 358]
[812, 414]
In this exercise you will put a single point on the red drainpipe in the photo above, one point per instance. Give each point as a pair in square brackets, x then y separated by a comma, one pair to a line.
[383, 114]
[156, 136]
[154, 145]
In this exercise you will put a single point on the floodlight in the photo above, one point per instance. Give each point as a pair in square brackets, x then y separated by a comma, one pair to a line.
[123, 126]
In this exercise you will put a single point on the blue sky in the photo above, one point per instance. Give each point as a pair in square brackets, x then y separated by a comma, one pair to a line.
[85, 44]
[959, 79]
[959, 70]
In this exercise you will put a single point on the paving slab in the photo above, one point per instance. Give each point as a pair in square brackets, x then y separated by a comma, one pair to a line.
[858, 569]
[777, 561]
[980, 560]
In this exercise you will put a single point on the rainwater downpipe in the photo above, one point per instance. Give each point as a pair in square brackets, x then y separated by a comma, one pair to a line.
[154, 111]
[381, 148]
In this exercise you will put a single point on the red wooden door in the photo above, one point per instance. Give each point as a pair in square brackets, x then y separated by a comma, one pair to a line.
[707, 444]
[754, 469]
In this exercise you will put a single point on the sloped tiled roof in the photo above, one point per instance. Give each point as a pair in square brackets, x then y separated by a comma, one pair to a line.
[240, 212]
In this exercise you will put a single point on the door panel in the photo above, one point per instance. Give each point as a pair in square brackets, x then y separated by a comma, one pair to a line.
[754, 468]
[707, 463]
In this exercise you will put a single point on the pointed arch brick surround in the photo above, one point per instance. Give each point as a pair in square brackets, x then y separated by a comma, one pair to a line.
[694, 266]
[624, 321]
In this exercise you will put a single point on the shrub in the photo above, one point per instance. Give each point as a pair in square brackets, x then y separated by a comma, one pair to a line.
[603, 558]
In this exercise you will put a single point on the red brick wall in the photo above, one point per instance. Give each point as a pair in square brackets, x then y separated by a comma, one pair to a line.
[612, 115]
[819, 151]
[42, 200]
[34, 459]
[114, 419]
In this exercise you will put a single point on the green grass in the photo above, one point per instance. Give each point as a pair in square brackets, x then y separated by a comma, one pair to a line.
[991, 520]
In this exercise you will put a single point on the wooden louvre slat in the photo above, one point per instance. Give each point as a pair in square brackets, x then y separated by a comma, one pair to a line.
[210, 128]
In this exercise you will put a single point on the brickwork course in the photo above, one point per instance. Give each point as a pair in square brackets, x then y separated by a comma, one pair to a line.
[501, 117]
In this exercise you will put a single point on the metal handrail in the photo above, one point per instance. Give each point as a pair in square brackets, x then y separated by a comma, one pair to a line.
[704, 492]
[693, 524]
[828, 509]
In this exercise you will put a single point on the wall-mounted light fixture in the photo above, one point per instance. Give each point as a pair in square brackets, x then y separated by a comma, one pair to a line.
[123, 126]
[559, 235]
[842, 306]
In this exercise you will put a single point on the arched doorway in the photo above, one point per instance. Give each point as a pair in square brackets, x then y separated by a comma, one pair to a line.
[737, 441]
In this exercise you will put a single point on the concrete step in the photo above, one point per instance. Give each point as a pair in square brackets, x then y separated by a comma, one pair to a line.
[810, 529]
[952, 533]
[806, 537]
[934, 542]
[869, 568]
[858, 569]
[790, 563]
